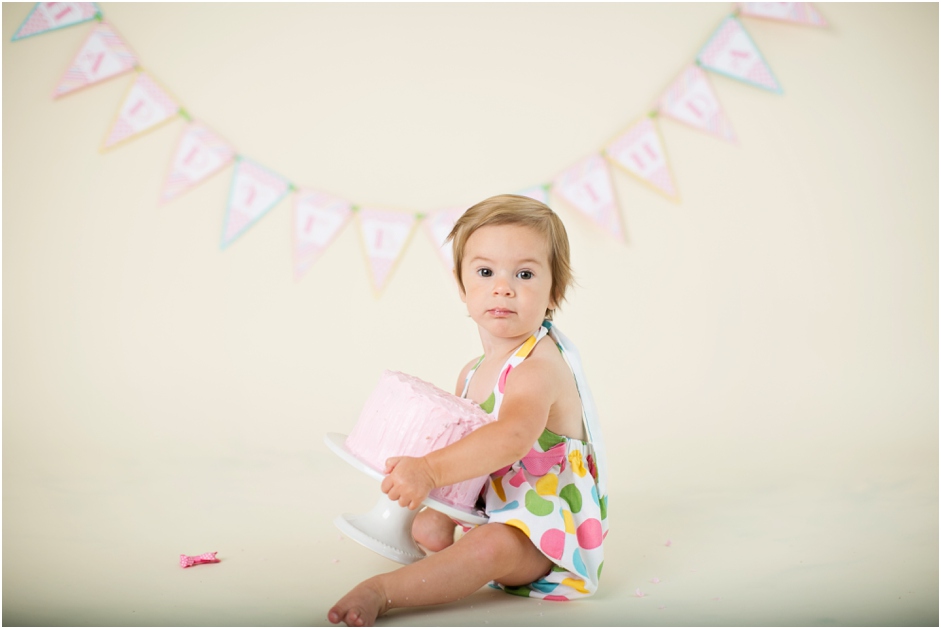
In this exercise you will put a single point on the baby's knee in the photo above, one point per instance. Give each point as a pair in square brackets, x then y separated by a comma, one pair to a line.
[497, 543]
[433, 530]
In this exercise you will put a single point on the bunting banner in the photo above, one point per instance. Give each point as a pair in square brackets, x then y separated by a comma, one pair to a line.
[587, 187]
[384, 234]
[104, 55]
[318, 218]
[437, 226]
[539, 193]
[51, 16]
[146, 106]
[795, 12]
[731, 52]
[255, 190]
[640, 152]
[690, 100]
[199, 154]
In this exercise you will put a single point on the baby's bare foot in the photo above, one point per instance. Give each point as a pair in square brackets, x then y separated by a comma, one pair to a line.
[360, 607]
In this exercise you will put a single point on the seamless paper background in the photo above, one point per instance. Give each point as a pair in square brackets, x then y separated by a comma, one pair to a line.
[764, 353]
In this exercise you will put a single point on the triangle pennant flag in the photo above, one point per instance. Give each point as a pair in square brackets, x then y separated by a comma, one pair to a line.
[385, 234]
[539, 193]
[254, 191]
[640, 152]
[795, 12]
[50, 16]
[103, 55]
[437, 226]
[588, 188]
[730, 51]
[690, 100]
[146, 106]
[318, 218]
[199, 154]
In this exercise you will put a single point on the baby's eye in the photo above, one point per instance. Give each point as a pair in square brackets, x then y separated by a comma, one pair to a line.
[525, 275]
[484, 272]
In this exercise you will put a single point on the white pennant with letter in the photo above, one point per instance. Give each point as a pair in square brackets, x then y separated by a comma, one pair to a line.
[199, 154]
[588, 188]
[145, 106]
[730, 51]
[640, 152]
[255, 190]
[103, 55]
[49, 16]
[385, 234]
[690, 100]
[318, 218]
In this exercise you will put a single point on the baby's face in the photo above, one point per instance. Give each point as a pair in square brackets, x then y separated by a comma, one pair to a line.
[507, 279]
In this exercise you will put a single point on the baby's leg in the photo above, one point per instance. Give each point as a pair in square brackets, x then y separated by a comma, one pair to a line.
[491, 552]
[433, 530]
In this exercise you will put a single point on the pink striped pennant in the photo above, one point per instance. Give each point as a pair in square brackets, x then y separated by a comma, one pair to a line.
[640, 152]
[588, 188]
[255, 190]
[690, 100]
[318, 219]
[104, 55]
[199, 154]
[730, 51]
[50, 16]
[384, 235]
[146, 106]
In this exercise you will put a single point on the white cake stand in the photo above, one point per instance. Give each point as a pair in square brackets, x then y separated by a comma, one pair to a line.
[387, 528]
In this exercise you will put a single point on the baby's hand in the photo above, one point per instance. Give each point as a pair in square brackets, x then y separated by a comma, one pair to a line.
[409, 480]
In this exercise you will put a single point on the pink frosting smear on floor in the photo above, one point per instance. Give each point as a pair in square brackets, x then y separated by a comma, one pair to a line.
[187, 561]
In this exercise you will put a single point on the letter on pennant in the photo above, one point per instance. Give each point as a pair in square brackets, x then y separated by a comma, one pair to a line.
[796, 12]
[385, 234]
[254, 192]
[103, 55]
[50, 16]
[690, 100]
[640, 152]
[588, 188]
[730, 51]
[199, 154]
[145, 106]
[318, 218]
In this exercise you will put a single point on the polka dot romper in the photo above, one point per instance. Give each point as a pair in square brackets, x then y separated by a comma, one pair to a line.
[552, 496]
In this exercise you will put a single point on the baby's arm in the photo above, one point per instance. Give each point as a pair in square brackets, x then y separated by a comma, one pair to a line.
[523, 416]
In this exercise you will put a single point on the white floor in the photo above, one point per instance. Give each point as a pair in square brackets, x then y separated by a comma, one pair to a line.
[784, 534]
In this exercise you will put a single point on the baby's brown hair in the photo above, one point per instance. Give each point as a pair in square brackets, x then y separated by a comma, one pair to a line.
[512, 209]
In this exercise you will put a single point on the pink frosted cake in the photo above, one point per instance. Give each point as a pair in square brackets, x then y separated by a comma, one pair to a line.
[406, 416]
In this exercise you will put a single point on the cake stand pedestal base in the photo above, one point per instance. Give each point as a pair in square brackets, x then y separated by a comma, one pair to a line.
[385, 529]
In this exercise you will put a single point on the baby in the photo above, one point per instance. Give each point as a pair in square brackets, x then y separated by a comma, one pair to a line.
[547, 515]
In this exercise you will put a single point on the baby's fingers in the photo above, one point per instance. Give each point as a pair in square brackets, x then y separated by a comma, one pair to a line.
[391, 462]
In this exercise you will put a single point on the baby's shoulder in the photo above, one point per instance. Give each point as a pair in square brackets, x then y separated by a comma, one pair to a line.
[548, 360]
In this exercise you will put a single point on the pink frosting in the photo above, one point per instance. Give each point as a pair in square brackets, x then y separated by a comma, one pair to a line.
[406, 416]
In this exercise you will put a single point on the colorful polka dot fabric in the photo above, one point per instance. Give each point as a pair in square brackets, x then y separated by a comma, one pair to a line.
[552, 496]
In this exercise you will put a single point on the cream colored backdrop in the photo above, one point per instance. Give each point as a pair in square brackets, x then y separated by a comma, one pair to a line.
[764, 354]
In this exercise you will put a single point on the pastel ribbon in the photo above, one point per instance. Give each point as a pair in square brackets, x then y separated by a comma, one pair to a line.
[186, 561]
[539, 463]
